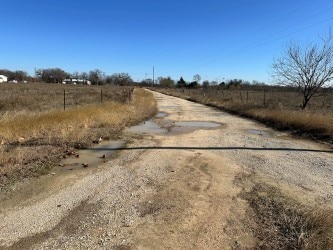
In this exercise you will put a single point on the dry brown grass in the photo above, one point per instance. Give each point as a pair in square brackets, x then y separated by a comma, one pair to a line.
[282, 223]
[32, 141]
[297, 120]
[64, 123]
[39, 97]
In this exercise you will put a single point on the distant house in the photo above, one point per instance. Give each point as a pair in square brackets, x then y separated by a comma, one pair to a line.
[3, 78]
[76, 81]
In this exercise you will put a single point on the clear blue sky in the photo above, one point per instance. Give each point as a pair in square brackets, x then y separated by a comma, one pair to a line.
[213, 38]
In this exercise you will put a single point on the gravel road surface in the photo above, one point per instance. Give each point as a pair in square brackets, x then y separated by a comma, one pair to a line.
[172, 186]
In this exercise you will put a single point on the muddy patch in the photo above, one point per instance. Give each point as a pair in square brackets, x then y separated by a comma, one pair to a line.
[90, 157]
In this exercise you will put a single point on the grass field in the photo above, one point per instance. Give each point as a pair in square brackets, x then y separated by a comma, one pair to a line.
[277, 108]
[38, 97]
[35, 129]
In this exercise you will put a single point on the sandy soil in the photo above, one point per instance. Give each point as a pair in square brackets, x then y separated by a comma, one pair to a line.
[173, 188]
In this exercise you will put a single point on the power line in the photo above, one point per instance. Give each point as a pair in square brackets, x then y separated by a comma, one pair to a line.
[267, 25]
[261, 41]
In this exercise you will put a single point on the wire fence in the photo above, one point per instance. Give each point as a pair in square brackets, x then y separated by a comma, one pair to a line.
[323, 100]
[72, 98]
[45, 97]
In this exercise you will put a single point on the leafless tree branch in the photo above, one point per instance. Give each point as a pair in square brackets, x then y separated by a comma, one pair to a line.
[309, 68]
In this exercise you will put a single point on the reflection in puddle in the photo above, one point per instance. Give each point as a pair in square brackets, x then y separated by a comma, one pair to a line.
[198, 124]
[161, 114]
[190, 126]
[148, 127]
[260, 132]
[91, 157]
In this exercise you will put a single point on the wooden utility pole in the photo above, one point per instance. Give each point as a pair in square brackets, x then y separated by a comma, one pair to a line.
[153, 75]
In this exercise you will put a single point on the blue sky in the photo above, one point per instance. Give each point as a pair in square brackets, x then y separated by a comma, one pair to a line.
[216, 39]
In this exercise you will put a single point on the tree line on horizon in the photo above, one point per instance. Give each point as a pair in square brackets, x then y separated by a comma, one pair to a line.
[98, 77]
[57, 75]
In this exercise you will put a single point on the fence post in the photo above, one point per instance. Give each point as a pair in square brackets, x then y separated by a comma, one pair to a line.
[64, 99]
[247, 97]
[264, 97]
[101, 96]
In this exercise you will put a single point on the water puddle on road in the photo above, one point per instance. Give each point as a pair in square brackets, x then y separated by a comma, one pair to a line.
[190, 126]
[161, 115]
[260, 132]
[90, 157]
[147, 127]
[198, 124]
[105, 150]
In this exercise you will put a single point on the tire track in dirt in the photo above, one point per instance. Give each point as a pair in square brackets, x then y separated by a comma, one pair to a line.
[195, 209]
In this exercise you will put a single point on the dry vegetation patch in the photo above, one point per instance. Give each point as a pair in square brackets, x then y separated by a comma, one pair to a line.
[32, 141]
[282, 223]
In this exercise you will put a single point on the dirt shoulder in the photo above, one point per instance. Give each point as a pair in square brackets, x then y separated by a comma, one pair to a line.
[183, 188]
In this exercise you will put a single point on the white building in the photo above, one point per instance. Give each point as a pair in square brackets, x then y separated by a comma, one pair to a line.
[76, 81]
[3, 78]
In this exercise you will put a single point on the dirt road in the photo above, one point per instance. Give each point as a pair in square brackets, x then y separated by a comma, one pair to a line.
[176, 186]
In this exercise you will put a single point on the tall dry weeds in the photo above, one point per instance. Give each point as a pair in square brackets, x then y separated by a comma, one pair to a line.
[301, 121]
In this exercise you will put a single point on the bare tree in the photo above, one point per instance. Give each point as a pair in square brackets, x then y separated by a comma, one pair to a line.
[17, 75]
[166, 82]
[197, 78]
[52, 75]
[96, 76]
[84, 76]
[120, 79]
[75, 75]
[308, 68]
